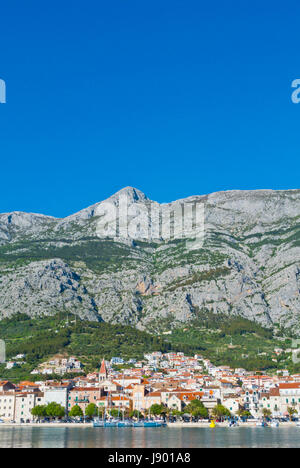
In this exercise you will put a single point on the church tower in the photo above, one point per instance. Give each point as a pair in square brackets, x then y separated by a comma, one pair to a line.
[103, 372]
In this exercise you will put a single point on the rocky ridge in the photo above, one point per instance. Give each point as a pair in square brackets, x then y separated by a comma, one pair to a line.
[249, 263]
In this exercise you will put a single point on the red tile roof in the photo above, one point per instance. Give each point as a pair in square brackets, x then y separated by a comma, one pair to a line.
[103, 368]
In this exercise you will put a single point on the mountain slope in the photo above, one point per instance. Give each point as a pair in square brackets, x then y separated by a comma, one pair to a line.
[249, 263]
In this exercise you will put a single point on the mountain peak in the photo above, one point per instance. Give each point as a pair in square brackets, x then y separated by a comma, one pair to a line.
[132, 193]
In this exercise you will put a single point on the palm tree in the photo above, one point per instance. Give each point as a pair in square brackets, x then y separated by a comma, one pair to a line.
[242, 413]
[266, 413]
[291, 412]
[220, 412]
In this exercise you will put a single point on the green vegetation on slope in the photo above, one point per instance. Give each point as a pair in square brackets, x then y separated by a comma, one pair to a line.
[235, 342]
[98, 255]
[232, 341]
[44, 337]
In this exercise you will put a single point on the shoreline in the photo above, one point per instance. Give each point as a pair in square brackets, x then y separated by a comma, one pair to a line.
[224, 425]
[199, 425]
[79, 425]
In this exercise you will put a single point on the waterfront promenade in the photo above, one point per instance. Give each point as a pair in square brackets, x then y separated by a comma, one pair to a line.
[176, 425]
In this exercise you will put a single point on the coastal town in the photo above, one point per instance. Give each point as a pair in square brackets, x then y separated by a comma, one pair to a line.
[172, 386]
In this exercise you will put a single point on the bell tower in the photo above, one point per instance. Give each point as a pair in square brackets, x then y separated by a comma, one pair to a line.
[103, 372]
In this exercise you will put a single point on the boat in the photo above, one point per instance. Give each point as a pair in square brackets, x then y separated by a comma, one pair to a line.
[274, 423]
[106, 423]
[98, 423]
[138, 424]
[154, 424]
[125, 423]
[149, 424]
[298, 424]
[110, 424]
[261, 424]
[233, 424]
[122, 424]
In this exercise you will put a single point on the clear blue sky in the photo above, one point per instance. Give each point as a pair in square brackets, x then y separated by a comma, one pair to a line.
[173, 97]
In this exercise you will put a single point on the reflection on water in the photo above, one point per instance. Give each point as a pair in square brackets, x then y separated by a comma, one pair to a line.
[42, 437]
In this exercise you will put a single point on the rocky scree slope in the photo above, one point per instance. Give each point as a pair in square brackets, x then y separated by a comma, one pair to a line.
[249, 264]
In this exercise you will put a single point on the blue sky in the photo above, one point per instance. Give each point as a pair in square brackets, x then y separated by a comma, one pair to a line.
[173, 97]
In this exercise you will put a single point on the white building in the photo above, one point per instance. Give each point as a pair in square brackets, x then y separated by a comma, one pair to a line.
[250, 401]
[7, 406]
[25, 402]
[290, 396]
[57, 394]
[232, 404]
[10, 365]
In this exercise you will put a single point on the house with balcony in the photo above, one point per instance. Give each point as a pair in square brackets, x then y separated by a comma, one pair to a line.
[250, 401]
[83, 396]
[289, 396]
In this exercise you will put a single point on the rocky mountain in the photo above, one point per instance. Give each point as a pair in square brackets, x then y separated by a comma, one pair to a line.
[146, 269]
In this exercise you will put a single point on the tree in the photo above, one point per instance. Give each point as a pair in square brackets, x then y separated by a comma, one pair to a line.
[54, 410]
[91, 410]
[242, 413]
[157, 409]
[266, 413]
[176, 413]
[136, 414]
[220, 412]
[115, 413]
[200, 413]
[197, 409]
[76, 412]
[291, 412]
[39, 411]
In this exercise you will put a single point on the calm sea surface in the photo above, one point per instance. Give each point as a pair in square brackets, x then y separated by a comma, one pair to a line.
[38, 437]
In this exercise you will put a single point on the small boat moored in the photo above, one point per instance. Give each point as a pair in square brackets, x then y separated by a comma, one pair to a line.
[274, 423]
[125, 423]
[261, 424]
[233, 424]
[153, 424]
[98, 423]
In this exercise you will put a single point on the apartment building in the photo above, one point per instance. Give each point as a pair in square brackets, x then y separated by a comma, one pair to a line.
[83, 396]
[7, 406]
[24, 403]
